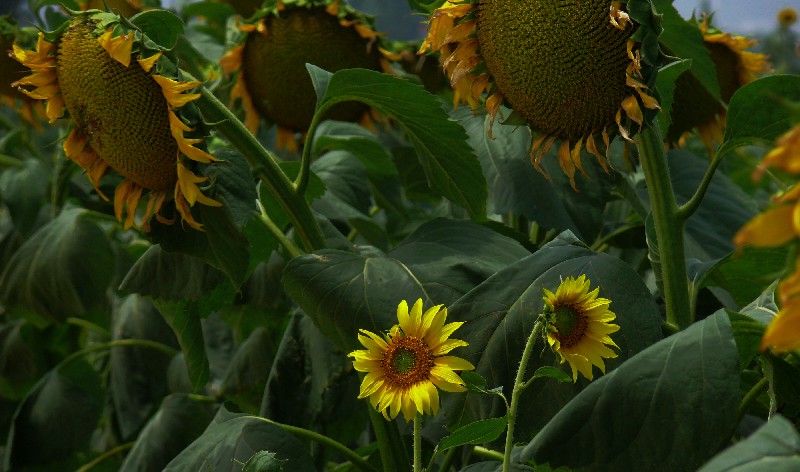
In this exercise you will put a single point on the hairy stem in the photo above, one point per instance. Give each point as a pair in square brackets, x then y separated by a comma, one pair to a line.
[516, 393]
[668, 226]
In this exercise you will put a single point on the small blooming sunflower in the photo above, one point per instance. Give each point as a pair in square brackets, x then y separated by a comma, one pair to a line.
[693, 107]
[574, 71]
[405, 367]
[578, 324]
[273, 49]
[129, 115]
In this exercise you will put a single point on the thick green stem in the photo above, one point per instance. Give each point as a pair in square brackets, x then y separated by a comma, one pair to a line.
[418, 443]
[759, 388]
[668, 226]
[267, 168]
[516, 393]
[384, 441]
[345, 451]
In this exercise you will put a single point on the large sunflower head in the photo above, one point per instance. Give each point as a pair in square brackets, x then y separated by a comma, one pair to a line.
[11, 71]
[404, 367]
[579, 325]
[274, 47]
[575, 71]
[693, 107]
[129, 110]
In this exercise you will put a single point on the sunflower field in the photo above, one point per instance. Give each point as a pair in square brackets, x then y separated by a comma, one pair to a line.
[262, 235]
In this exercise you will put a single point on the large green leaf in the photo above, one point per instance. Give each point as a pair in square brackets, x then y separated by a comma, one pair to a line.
[246, 375]
[516, 187]
[161, 26]
[746, 273]
[347, 194]
[57, 418]
[138, 374]
[235, 438]
[62, 270]
[184, 319]
[724, 209]
[449, 164]
[685, 41]
[24, 191]
[376, 159]
[178, 421]
[775, 447]
[692, 376]
[170, 276]
[344, 292]
[313, 385]
[500, 314]
[758, 112]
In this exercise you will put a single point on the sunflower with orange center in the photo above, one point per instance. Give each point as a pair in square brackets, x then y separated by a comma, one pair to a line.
[576, 72]
[694, 107]
[130, 114]
[405, 367]
[273, 48]
[578, 326]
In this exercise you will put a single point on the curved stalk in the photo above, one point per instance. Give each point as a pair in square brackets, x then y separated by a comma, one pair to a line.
[264, 164]
[354, 458]
[384, 441]
[687, 209]
[516, 393]
[668, 225]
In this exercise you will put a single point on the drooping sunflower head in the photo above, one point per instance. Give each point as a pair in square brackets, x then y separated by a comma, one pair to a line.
[693, 106]
[579, 325]
[11, 71]
[275, 46]
[129, 113]
[405, 367]
[575, 71]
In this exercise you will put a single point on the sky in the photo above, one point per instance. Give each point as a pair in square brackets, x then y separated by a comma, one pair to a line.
[742, 16]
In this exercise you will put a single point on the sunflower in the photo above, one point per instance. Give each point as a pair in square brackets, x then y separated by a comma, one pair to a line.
[273, 49]
[11, 71]
[578, 325]
[693, 107]
[405, 367]
[574, 71]
[787, 17]
[129, 115]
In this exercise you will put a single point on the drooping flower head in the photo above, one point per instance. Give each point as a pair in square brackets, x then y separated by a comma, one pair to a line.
[578, 325]
[274, 47]
[404, 367]
[574, 71]
[11, 71]
[129, 110]
[693, 106]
